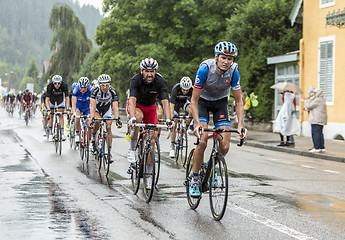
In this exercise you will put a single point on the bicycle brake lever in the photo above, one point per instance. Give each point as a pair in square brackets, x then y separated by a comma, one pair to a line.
[198, 139]
[242, 140]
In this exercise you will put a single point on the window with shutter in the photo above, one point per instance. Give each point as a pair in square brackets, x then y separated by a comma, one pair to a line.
[326, 3]
[326, 71]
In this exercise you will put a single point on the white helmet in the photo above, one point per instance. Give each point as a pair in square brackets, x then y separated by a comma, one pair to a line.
[104, 78]
[57, 79]
[186, 83]
[149, 63]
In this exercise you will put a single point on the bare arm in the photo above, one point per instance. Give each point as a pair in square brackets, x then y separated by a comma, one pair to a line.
[132, 103]
[74, 105]
[166, 108]
[194, 104]
[92, 108]
[115, 107]
[239, 110]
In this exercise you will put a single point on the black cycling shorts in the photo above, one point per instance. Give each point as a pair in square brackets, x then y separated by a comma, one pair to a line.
[218, 108]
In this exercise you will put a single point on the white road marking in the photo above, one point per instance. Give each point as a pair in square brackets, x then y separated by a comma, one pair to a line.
[330, 171]
[270, 223]
[306, 166]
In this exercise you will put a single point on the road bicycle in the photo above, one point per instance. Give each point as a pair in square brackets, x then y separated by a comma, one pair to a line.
[26, 115]
[213, 176]
[71, 135]
[57, 132]
[181, 142]
[84, 144]
[144, 156]
[102, 153]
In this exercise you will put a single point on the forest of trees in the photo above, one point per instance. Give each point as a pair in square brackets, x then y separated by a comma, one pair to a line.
[25, 34]
[180, 34]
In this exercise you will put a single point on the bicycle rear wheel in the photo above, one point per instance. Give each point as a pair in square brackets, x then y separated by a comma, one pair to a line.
[148, 176]
[106, 155]
[192, 201]
[157, 162]
[218, 187]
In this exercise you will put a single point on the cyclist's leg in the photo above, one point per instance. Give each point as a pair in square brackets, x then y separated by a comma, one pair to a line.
[139, 115]
[77, 121]
[159, 116]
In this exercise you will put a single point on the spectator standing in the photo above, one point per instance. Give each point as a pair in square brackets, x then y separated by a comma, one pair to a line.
[286, 122]
[317, 117]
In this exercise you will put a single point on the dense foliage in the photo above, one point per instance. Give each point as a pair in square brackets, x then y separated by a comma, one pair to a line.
[180, 34]
[69, 44]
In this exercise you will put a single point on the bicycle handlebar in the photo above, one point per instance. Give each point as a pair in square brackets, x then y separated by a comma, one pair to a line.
[221, 130]
[105, 119]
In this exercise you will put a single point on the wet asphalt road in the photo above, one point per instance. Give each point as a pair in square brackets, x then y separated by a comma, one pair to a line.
[273, 195]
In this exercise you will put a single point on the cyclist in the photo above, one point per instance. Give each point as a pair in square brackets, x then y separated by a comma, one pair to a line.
[19, 99]
[103, 101]
[70, 106]
[81, 103]
[94, 83]
[57, 93]
[43, 109]
[10, 102]
[27, 101]
[213, 81]
[179, 99]
[145, 88]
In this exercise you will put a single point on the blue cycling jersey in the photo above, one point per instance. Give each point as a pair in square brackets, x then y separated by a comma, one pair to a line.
[83, 100]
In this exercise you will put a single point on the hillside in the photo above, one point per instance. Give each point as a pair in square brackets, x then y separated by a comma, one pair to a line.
[24, 30]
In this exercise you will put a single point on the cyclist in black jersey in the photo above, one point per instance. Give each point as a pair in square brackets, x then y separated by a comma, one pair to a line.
[103, 103]
[43, 109]
[57, 93]
[180, 94]
[145, 88]
[212, 85]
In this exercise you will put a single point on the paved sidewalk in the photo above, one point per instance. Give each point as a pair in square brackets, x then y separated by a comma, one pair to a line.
[335, 150]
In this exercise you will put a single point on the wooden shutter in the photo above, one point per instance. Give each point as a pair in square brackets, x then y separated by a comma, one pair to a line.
[326, 69]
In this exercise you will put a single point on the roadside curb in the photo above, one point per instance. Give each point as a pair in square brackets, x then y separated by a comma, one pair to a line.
[293, 151]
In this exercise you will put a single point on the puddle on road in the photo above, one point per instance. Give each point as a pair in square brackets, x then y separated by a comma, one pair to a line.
[324, 205]
[32, 206]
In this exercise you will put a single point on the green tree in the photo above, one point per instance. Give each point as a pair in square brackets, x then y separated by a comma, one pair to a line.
[69, 44]
[261, 29]
[179, 34]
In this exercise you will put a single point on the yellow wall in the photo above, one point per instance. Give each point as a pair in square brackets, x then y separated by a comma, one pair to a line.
[314, 27]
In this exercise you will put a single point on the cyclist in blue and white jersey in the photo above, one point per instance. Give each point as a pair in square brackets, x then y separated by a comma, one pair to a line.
[81, 103]
[214, 79]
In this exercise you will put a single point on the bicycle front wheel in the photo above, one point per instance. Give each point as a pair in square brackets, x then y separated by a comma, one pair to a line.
[149, 174]
[157, 162]
[136, 168]
[192, 201]
[106, 155]
[185, 147]
[218, 187]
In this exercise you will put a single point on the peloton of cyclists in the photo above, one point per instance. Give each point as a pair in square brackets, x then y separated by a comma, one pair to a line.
[57, 93]
[103, 103]
[214, 79]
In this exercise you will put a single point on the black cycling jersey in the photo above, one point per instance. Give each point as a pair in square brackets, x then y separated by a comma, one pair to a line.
[43, 98]
[57, 95]
[10, 98]
[147, 94]
[178, 98]
[19, 96]
[103, 100]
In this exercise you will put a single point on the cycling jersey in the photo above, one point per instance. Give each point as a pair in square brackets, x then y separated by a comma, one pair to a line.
[178, 98]
[57, 95]
[104, 100]
[83, 100]
[19, 97]
[27, 99]
[215, 85]
[11, 98]
[147, 94]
